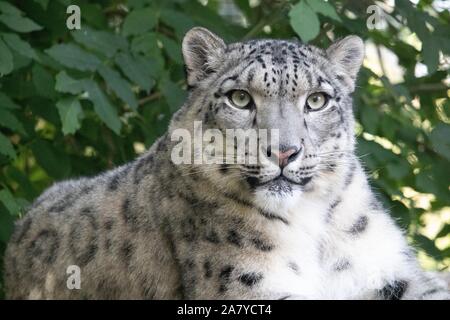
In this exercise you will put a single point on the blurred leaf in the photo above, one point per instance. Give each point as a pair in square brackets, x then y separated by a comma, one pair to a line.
[71, 113]
[428, 245]
[139, 21]
[43, 3]
[21, 46]
[430, 52]
[440, 140]
[8, 8]
[66, 84]
[7, 103]
[9, 202]
[19, 23]
[324, 8]
[104, 42]
[174, 95]
[119, 85]
[6, 148]
[8, 120]
[134, 69]
[53, 160]
[177, 20]
[6, 59]
[172, 48]
[304, 21]
[43, 81]
[102, 106]
[74, 57]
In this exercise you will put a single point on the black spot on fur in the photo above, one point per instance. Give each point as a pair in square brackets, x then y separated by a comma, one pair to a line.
[304, 181]
[128, 215]
[143, 168]
[341, 265]
[83, 239]
[109, 224]
[224, 277]
[394, 291]
[188, 229]
[293, 266]
[207, 268]
[360, 225]
[21, 230]
[45, 245]
[234, 238]
[212, 236]
[350, 174]
[107, 289]
[262, 245]
[272, 216]
[126, 252]
[223, 168]
[250, 279]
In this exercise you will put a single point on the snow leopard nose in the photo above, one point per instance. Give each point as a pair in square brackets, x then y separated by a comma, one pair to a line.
[287, 155]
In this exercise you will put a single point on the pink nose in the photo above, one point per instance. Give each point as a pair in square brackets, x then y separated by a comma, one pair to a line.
[287, 156]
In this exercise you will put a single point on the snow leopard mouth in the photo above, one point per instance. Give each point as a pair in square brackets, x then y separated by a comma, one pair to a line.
[278, 184]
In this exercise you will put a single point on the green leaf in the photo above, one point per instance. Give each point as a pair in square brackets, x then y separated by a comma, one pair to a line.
[172, 48]
[173, 94]
[6, 226]
[135, 70]
[440, 140]
[66, 84]
[444, 231]
[43, 3]
[120, 86]
[104, 42]
[104, 109]
[7, 103]
[179, 21]
[6, 59]
[53, 160]
[8, 120]
[430, 53]
[74, 57]
[428, 245]
[19, 23]
[10, 202]
[71, 113]
[304, 21]
[398, 170]
[370, 119]
[8, 8]
[6, 147]
[146, 44]
[19, 45]
[139, 21]
[43, 81]
[324, 8]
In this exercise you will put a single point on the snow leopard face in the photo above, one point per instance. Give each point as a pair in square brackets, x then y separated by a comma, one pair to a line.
[297, 91]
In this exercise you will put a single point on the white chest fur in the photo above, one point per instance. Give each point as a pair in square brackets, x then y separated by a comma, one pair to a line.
[316, 259]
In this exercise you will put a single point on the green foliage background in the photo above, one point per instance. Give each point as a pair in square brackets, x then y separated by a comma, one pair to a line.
[74, 103]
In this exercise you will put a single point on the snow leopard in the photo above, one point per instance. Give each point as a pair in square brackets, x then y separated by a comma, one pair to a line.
[305, 226]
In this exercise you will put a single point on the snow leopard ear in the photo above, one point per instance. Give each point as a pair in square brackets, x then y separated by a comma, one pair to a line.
[202, 52]
[348, 53]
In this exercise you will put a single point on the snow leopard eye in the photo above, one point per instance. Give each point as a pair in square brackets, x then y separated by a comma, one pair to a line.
[317, 101]
[240, 98]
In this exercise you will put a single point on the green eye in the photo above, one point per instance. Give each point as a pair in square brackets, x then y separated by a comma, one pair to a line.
[240, 98]
[316, 101]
